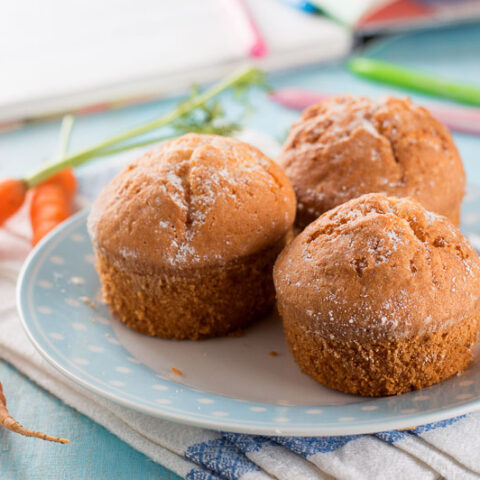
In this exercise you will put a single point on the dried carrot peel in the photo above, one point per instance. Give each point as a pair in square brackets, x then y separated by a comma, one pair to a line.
[11, 424]
[51, 203]
[12, 196]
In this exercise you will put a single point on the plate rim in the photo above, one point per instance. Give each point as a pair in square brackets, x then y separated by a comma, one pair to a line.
[221, 423]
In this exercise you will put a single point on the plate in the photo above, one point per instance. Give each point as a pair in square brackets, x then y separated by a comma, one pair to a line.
[247, 384]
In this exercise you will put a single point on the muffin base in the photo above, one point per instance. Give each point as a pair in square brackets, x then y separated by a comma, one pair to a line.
[386, 367]
[194, 303]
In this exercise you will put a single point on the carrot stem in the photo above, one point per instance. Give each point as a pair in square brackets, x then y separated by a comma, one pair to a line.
[65, 135]
[96, 150]
[131, 146]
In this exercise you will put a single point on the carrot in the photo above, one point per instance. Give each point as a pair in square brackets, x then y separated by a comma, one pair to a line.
[11, 424]
[13, 192]
[51, 203]
[67, 179]
[12, 196]
[52, 197]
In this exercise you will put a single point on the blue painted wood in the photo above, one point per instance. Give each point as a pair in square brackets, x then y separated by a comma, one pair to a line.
[95, 453]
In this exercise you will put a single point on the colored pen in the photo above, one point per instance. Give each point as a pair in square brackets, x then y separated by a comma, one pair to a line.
[412, 79]
[458, 119]
[242, 19]
[303, 5]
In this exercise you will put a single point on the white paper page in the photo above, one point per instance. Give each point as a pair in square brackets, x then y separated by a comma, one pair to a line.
[58, 45]
[64, 54]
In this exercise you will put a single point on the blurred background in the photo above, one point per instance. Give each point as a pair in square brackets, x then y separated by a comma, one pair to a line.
[87, 56]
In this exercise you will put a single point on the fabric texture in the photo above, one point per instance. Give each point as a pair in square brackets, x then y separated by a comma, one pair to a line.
[448, 449]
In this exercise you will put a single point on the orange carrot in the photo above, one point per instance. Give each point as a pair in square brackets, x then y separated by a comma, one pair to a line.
[67, 179]
[51, 203]
[12, 196]
[11, 424]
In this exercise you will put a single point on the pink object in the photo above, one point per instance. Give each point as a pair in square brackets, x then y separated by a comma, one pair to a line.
[298, 99]
[458, 119]
[241, 17]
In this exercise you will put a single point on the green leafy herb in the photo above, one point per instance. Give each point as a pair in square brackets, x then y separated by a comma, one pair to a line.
[198, 113]
[209, 118]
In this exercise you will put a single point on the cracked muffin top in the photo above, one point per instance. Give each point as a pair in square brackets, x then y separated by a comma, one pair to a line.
[195, 201]
[378, 267]
[347, 146]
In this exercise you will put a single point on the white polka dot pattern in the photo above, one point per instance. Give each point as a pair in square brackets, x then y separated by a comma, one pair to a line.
[56, 294]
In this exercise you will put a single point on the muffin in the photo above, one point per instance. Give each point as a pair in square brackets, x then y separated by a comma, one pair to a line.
[379, 296]
[186, 237]
[348, 146]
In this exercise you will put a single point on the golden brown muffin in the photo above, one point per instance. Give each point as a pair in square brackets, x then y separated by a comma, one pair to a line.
[379, 296]
[186, 237]
[347, 146]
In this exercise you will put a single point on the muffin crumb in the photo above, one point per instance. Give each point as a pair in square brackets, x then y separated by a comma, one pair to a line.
[347, 146]
[87, 301]
[358, 318]
[184, 244]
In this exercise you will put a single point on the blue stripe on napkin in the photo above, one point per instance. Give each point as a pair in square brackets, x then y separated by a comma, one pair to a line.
[198, 474]
[306, 446]
[222, 457]
[396, 435]
[247, 443]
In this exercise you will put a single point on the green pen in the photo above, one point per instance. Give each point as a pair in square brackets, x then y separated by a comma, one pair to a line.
[409, 78]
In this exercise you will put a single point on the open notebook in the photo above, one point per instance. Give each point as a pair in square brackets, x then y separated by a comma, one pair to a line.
[374, 16]
[57, 55]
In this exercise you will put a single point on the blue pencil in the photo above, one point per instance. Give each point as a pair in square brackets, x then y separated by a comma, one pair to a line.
[303, 5]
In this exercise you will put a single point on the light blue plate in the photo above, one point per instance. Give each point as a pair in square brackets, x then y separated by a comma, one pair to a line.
[228, 384]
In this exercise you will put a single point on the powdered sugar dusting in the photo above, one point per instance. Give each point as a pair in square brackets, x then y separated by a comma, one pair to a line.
[381, 266]
[186, 190]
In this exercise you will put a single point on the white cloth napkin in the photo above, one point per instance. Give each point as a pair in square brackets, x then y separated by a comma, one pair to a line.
[448, 449]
